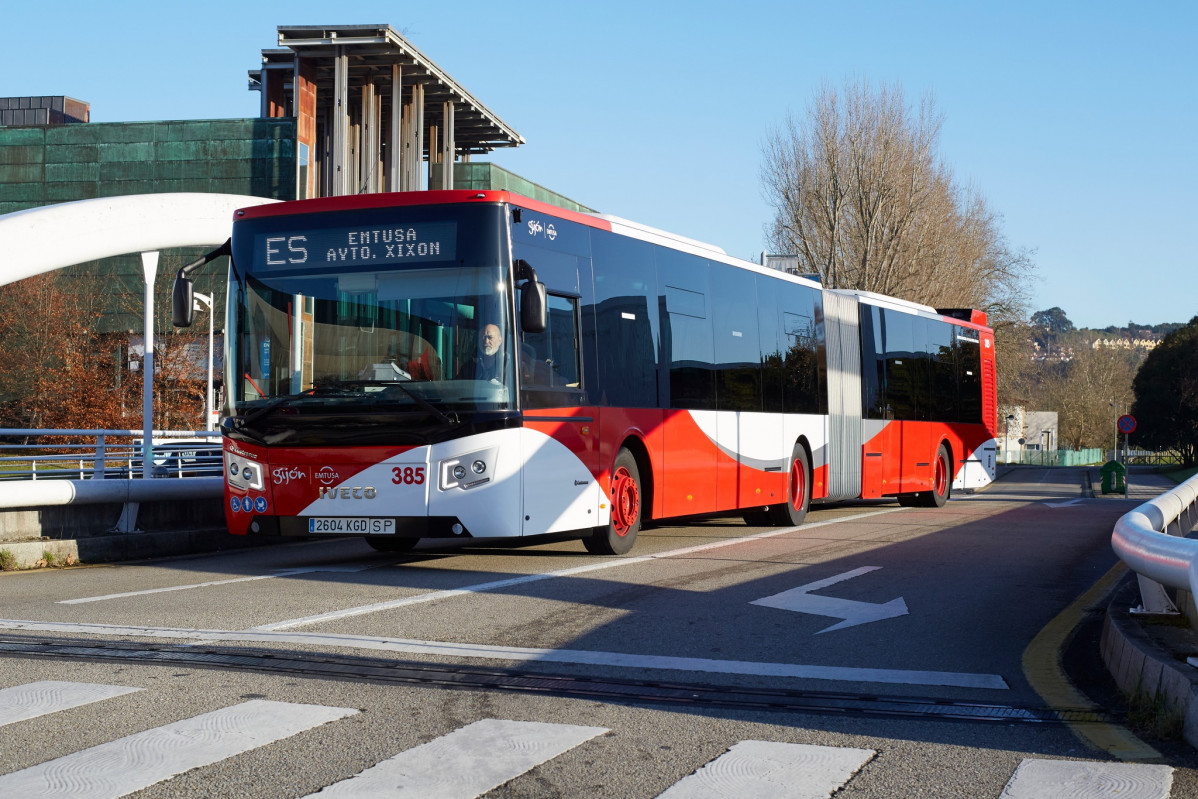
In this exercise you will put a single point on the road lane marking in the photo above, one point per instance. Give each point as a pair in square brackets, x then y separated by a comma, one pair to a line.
[765, 770]
[1076, 778]
[466, 763]
[496, 585]
[532, 655]
[851, 611]
[283, 573]
[138, 761]
[1042, 667]
[50, 696]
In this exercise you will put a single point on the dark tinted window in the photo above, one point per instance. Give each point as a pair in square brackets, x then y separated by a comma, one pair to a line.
[688, 381]
[902, 370]
[548, 362]
[969, 376]
[625, 321]
[803, 352]
[942, 390]
[873, 365]
[737, 345]
[769, 324]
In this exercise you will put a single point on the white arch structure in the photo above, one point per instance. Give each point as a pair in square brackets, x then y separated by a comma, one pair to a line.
[51, 237]
[42, 239]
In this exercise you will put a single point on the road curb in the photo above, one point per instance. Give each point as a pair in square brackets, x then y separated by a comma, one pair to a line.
[134, 546]
[1139, 652]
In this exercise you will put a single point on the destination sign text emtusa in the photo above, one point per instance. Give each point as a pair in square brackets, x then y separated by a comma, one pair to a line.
[393, 244]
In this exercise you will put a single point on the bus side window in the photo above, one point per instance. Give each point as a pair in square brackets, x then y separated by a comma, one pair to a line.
[549, 360]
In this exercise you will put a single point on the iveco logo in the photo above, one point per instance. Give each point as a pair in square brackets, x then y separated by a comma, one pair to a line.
[347, 492]
[327, 475]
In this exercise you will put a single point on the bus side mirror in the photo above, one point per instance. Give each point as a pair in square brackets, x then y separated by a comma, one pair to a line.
[182, 298]
[182, 301]
[533, 315]
[532, 308]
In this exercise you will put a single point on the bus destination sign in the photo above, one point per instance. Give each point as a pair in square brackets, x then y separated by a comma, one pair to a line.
[378, 245]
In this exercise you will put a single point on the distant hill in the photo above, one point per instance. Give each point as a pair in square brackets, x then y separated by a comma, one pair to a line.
[1054, 338]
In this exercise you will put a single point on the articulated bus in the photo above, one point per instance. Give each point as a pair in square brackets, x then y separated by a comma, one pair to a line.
[454, 364]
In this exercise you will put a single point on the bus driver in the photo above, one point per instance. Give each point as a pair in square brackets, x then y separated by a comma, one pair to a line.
[488, 364]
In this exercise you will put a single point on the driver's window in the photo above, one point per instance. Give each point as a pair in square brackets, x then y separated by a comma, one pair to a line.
[549, 361]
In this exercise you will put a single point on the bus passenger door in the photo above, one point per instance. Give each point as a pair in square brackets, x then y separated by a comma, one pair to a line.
[561, 436]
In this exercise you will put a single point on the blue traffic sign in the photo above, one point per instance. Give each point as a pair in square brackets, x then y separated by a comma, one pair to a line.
[1127, 424]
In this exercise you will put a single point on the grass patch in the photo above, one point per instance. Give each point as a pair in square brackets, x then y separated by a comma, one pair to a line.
[1181, 475]
[1152, 717]
[8, 561]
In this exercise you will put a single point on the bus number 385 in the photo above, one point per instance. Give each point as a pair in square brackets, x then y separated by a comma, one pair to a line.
[408, 475]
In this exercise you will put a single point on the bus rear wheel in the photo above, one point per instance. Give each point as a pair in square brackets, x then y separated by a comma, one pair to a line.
[619, 535]
[791, 512]
[392, 544]
[942, 483]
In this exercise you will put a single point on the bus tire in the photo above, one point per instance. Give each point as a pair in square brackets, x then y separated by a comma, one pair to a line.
[942, 482]
[618, 536]
[798, 492]
[392, 544]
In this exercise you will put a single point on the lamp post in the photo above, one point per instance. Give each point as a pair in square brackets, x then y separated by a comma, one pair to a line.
[206, 299]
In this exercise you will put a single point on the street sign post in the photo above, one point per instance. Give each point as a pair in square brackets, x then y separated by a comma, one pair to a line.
[1127, 426]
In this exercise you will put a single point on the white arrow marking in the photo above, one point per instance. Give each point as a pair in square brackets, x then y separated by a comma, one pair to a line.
[1066, 504]
[801, 600]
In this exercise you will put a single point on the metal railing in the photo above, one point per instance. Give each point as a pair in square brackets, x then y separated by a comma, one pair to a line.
[38, 454]
[1052, 457]
[1088, 457]
[1151, 541]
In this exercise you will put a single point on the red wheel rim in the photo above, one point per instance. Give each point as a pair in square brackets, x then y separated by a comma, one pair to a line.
[625, 501]
[798, 484]
[941, 479]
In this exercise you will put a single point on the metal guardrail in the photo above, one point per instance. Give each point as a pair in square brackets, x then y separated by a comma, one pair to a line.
[1151, 541]
[41, 468]
[55, 454]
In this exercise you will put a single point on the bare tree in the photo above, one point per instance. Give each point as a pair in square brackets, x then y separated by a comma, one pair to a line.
[862, 198]
[1088, 392]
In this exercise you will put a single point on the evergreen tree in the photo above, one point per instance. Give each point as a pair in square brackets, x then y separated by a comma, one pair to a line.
[1166, 388]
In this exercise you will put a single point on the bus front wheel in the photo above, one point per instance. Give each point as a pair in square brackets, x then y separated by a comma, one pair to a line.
[618, 536]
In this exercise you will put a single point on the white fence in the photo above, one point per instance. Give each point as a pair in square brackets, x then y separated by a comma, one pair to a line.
[1151, 541]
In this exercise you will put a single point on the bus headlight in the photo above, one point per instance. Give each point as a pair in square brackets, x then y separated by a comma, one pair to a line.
[455, 474]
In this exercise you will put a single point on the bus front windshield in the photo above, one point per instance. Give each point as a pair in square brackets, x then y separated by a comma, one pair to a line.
[385, 311]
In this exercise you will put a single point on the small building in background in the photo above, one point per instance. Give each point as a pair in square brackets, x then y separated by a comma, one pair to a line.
[42, 110]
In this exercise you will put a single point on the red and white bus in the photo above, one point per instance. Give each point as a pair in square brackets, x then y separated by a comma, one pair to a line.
[478, 364]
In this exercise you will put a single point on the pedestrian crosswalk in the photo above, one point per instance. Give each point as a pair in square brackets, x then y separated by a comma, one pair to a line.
[475, 758]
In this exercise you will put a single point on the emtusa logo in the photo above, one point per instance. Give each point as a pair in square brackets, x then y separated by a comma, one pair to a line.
[327, 475]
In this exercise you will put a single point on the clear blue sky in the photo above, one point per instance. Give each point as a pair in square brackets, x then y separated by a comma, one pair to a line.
[1077, 120]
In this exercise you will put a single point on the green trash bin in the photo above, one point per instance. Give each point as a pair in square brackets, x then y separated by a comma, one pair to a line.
[1114, 478]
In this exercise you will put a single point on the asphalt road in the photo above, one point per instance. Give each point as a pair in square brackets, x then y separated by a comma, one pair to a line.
[877, 650]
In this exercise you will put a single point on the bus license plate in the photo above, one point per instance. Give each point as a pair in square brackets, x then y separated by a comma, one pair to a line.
[351, 524]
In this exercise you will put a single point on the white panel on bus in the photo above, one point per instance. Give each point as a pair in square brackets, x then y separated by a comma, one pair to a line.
[560, 493]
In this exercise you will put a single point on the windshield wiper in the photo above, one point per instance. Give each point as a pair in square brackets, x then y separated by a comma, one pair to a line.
[258, 413]
[448, 418]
